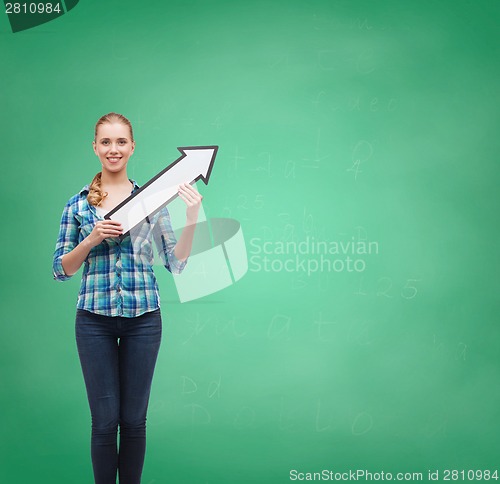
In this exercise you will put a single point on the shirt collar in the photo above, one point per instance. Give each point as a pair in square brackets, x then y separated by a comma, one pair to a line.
[85, 189]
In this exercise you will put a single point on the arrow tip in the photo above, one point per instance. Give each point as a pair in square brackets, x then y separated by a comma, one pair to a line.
[203, 157]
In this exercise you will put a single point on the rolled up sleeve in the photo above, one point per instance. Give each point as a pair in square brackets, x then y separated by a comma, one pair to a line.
[165, 241]
[66, 242]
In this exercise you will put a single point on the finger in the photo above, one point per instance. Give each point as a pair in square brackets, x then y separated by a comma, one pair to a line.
[109, 228]
[192, 194]
[183, 196]
[106, 228]
[186, 195]
[110, 222]
[189, 187]
[112, 227]
[111, 234]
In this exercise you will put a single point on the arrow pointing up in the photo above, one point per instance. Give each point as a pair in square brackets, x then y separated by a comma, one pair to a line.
[195, 164]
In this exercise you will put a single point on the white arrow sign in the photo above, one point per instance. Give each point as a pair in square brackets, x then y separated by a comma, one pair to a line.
[195, 163]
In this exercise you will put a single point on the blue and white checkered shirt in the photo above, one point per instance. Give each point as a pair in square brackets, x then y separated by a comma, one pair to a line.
[118, 278]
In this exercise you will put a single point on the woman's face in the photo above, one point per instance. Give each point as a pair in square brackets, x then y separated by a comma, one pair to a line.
[113, 146]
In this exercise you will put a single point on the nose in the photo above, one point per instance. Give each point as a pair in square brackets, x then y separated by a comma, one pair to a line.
[113, 148]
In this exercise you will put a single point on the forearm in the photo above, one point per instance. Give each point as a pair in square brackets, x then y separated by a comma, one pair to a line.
[73, 260]
[185, 242]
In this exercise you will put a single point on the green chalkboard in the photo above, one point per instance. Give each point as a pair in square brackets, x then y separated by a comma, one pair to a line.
[358, 161]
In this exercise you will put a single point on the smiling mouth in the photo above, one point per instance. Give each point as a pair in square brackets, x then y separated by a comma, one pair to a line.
[113, 158]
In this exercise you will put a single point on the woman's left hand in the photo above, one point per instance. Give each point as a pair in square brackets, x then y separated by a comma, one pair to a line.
[192, 198]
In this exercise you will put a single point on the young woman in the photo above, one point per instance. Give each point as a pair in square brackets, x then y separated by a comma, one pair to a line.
[118, 323]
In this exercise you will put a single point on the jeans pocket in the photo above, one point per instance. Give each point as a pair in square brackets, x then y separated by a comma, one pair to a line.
[88, 324]
[151, 324]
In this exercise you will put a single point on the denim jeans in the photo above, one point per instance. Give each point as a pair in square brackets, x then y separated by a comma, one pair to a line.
[118, 357]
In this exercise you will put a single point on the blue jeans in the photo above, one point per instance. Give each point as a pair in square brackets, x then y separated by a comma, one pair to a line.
[118, 376]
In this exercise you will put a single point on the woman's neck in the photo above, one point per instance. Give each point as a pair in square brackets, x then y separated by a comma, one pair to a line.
[114, 179]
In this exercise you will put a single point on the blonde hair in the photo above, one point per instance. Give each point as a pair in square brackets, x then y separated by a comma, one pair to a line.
[96, 195]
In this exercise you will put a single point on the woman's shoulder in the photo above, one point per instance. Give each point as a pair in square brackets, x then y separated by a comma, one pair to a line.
[135, 185]
[77, 201]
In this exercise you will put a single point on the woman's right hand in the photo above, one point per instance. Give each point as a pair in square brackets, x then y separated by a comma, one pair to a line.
[103, 230]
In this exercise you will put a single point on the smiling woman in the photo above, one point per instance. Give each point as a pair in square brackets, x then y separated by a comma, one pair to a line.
[118, 300]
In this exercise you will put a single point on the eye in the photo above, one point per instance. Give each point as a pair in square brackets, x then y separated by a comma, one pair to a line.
[105, 142]
[122, 142]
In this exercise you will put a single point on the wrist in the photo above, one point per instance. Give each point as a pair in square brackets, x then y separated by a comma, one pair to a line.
[87, 243]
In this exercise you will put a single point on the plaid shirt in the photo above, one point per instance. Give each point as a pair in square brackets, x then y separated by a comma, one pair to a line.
[118, 278]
